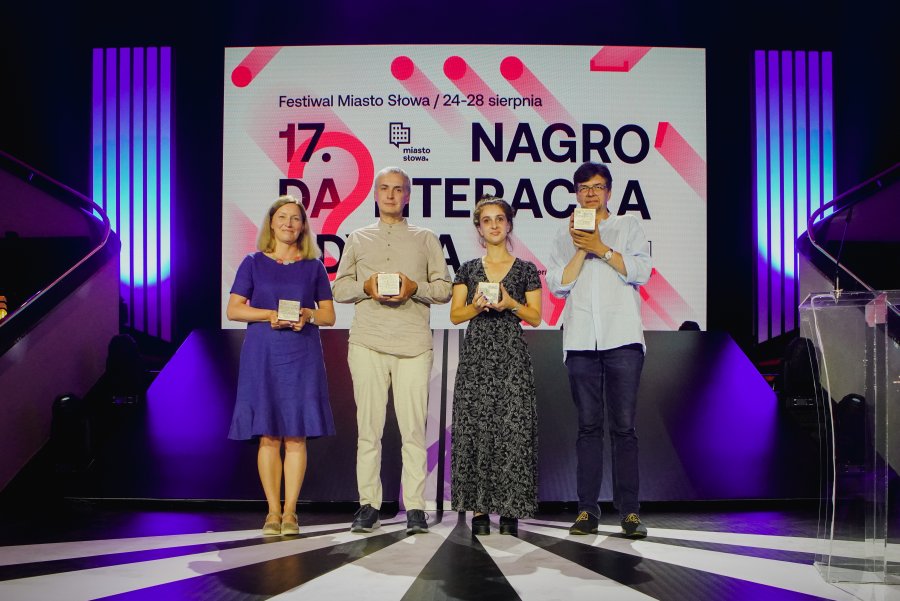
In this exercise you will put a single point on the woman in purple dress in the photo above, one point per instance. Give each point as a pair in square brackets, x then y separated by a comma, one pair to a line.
[282, 391]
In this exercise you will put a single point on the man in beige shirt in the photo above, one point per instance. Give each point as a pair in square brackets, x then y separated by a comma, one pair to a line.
[390, 343]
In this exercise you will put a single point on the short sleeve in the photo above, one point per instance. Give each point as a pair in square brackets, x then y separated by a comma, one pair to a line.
[323, 286]
[243, 280]
[532, 278]
[463, 275]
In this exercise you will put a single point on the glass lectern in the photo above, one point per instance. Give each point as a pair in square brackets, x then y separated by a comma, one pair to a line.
[855, 361]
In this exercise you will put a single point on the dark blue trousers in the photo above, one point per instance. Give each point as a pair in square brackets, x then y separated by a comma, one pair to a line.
[604, 384]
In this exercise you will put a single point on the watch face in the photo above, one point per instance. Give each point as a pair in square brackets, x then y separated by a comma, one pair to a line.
[608, 255]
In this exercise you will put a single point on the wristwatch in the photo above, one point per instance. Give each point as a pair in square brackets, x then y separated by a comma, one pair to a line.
[312, 318]
[607, 255]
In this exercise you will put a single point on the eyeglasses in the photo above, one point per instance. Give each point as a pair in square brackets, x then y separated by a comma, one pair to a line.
[597, 189]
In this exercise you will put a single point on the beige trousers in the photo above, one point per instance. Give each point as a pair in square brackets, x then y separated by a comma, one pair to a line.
[373, 374]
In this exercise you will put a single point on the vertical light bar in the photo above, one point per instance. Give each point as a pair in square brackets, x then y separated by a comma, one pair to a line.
[110, 205]
[762, 198]
[803, 175]
[126, 227]
[137, 184]
[775, 177]
[802, 201]
[794, 173]
[165, 190]
[152, 178]
[131, 174]
[827, 131]
[97, 126]
[789, 199]
[815, 133]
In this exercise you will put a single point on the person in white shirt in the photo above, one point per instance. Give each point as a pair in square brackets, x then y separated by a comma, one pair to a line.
[598, 273]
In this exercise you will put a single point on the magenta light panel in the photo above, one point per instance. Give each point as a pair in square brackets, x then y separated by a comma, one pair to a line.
[131, 174]
[794, 173]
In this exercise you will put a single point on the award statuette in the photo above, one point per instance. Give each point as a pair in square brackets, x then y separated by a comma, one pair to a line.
[585, 219]
[388, 284]
[288, 310]
[490, 290]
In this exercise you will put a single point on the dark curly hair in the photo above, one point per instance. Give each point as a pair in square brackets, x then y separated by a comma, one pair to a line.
[493, 201]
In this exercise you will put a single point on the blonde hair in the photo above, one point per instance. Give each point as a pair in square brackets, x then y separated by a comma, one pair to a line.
[307, 242]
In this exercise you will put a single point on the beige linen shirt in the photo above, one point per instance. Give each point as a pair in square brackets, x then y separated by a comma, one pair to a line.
[403, 330]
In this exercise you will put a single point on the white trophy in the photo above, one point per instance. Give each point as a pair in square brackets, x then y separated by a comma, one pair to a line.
[585, 219]
[388, 284]
[490, 290]
[288, 310]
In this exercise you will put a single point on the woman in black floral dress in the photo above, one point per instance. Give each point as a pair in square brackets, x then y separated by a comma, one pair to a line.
[494, 457]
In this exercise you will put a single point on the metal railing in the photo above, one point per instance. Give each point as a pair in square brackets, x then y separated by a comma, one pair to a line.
[844, 203]
[14, 325]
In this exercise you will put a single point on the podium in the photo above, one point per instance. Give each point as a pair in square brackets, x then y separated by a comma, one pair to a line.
[854, 357]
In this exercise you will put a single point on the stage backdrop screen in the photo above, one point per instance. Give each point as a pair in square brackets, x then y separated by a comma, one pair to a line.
[514, 121]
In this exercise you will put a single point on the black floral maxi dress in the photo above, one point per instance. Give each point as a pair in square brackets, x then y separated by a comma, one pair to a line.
[494, 454]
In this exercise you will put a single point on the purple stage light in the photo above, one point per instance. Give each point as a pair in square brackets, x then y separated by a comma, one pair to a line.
[794, 173]
[131, 174]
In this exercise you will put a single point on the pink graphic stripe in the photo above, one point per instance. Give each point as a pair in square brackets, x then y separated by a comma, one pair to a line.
[619, 59]
[551, 306]
[665, 303]
[265, 123]
[469, 83]
[241, 233]
[418, 84]
[365, 176]
[653, 314]
[527, 84]
[262, 128]
[253, 63]
[682, 156]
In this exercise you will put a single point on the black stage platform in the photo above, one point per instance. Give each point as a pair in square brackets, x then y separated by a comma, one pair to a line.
[710, 428]
[709, 424]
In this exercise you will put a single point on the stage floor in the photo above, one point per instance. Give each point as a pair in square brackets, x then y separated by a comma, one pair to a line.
[91, 550]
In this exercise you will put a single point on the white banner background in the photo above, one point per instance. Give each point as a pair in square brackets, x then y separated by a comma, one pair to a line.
[652, 103]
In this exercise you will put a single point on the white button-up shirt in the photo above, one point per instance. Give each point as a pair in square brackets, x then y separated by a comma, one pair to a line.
[603, 307]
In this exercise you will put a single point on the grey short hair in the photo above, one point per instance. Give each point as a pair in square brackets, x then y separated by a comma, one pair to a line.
[407, 181]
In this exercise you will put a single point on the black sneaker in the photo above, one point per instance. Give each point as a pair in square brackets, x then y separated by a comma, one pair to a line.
[481, 525]
[509, 525]
[585, 523]
[632, 526]
[365, 519]
[415, 522]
